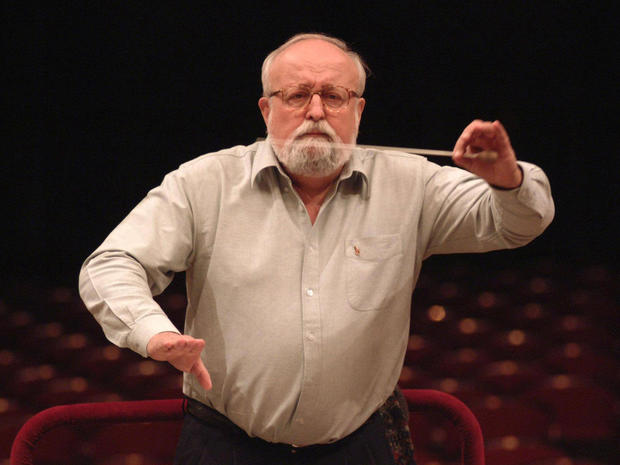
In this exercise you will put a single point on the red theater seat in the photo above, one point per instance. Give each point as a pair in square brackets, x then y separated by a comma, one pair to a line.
[580, 410]
[469, 332]
[82, 433]
[169, 386]
[420, 351]
[434, 435]
[510, 377]
[41, 336]
[580, 329]
[12, 417]
[142, 376]
[492, 304]
[69, 347]
[532, 315]
[579, 359]
[67, 390]
[104, 363]
[132, 459]
[471, 442]
[433, 321]
[16, 324]
[466, 391]
[10, 362]
[31, 379]
[567, 461]
[413, 378]
[111, 433]
[460, 363]
[501, 417]
[511, 450]
[517, 344]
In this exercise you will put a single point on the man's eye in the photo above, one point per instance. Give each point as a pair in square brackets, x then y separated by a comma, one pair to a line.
[299, 95]
[332, 96]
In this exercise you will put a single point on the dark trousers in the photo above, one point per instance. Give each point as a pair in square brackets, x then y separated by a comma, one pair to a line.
[208, 438]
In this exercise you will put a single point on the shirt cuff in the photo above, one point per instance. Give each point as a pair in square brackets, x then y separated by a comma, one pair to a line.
[528, 193]
[528, 209]
[145, 329]
[500, 188]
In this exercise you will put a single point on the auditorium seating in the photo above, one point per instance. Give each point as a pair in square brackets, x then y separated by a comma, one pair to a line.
[532, 349]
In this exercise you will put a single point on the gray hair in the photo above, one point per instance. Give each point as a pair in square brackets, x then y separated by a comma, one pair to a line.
[342, 45]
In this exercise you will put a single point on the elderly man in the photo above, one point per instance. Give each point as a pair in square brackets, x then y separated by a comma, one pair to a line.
[301, 255]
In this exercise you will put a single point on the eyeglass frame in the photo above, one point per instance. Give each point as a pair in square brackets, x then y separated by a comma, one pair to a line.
[350, 93]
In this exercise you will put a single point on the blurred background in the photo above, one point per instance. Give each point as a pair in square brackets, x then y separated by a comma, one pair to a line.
[102, 100]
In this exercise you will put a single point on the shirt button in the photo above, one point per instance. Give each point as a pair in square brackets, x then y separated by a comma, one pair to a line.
[310, 337]
[309, 292]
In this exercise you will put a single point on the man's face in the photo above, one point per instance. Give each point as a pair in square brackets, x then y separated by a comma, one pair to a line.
[315, 64]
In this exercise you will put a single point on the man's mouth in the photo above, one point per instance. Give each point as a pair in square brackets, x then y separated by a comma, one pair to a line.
[315, 134]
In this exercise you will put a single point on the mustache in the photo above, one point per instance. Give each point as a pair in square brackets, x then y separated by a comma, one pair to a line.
[309, 127]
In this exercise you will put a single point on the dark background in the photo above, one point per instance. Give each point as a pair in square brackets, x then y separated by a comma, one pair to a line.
[102, 99]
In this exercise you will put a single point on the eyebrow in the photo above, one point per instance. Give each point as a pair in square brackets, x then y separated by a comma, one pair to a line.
[308, 86]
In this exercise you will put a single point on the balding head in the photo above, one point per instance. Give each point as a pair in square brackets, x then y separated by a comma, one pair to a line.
[356, 60]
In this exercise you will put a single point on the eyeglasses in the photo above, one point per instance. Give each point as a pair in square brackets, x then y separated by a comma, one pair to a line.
[333, 97]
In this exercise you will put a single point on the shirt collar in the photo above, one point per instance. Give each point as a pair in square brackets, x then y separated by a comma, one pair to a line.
[355, 171]
[264, 158]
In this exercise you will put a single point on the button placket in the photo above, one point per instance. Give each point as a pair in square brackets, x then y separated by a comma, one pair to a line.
[311, 328]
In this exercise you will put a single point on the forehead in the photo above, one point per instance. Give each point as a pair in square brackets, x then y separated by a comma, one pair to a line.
[313, 62]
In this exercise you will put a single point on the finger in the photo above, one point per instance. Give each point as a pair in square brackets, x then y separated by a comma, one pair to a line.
[482, 137]
[187, 342]
[193, 350]
[469, 136]
[461, 145]
[484, 145]
[462, 141]
[464, 162]
[180, 350]
[202, 375]
[502, 135]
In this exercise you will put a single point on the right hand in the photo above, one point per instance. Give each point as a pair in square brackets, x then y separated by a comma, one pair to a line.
[182, 352]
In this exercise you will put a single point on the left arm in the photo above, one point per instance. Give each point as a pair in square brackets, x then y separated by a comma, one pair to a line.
[493, 205]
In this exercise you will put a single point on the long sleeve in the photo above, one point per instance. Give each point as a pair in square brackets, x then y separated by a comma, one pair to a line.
[136, 261]
[462, 213]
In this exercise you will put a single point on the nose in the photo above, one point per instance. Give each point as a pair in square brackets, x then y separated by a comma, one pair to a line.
[315, 110]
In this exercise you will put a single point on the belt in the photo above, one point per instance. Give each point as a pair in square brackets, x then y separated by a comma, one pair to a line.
[214, 418]
[210, 416]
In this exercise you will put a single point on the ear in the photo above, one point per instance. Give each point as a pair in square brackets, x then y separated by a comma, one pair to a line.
[263, 104]
[361, 104]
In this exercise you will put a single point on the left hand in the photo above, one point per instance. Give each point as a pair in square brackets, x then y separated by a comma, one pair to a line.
[485, 135]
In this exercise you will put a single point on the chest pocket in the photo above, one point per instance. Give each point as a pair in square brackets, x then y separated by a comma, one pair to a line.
[373, 267]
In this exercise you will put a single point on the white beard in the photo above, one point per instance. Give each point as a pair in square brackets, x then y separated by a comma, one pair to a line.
[313, 156]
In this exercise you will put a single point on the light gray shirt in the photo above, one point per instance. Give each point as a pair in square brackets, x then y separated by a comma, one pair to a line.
[305, 325]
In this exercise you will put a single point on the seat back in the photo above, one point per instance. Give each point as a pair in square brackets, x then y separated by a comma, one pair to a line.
[84, 433]
[471, 440]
